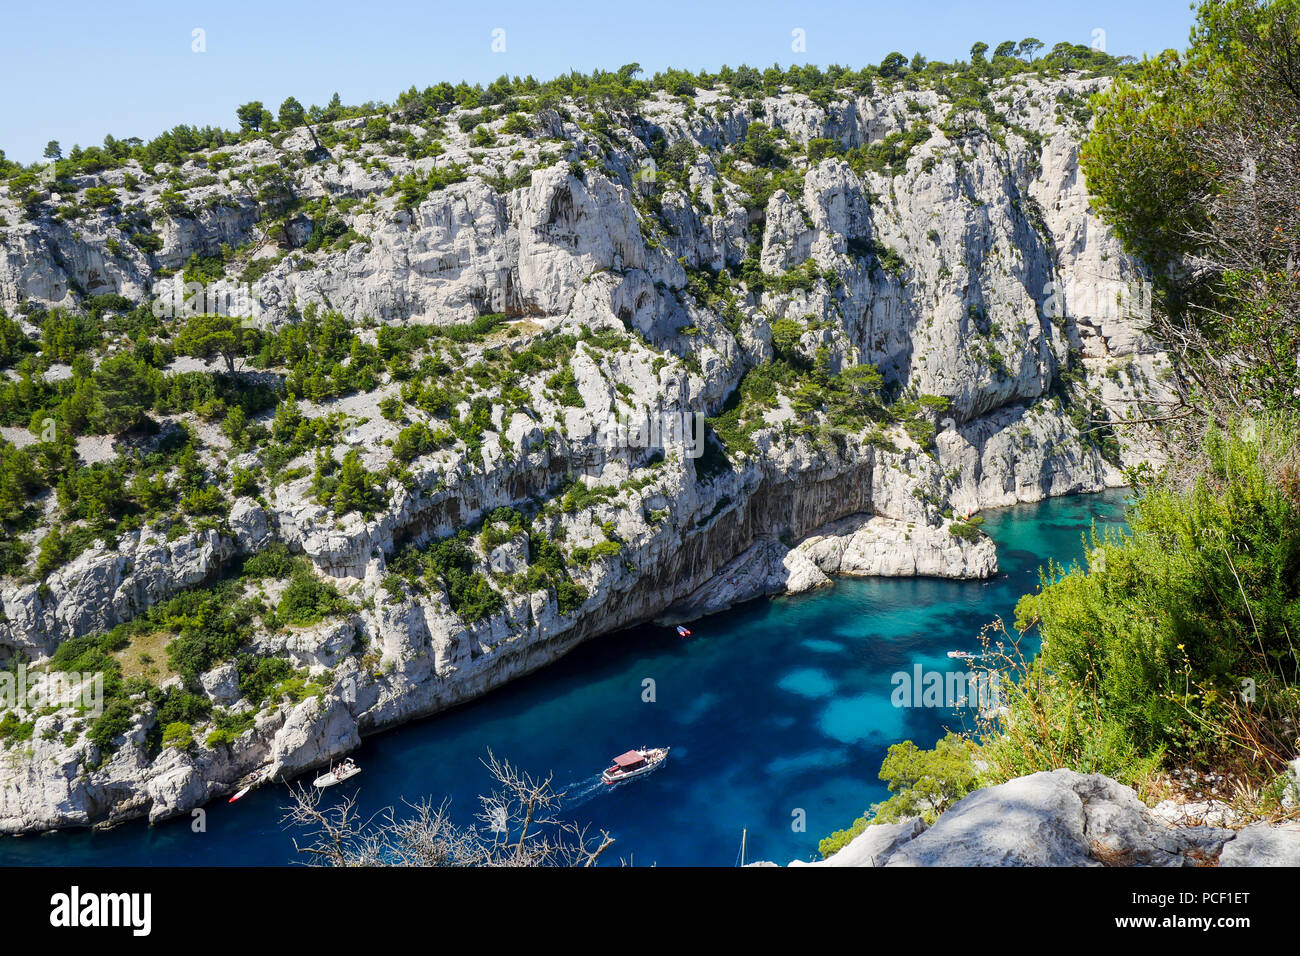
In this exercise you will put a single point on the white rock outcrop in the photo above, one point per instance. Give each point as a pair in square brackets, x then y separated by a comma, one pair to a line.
[1064, 818]
[888, 547]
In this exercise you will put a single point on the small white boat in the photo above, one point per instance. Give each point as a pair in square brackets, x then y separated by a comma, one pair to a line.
[634, 763]
[338, 774]
[963, 655]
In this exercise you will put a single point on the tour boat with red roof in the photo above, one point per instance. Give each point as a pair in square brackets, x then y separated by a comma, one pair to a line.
[634, 763]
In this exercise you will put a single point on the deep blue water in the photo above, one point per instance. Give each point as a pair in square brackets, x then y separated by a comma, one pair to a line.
[774, 707]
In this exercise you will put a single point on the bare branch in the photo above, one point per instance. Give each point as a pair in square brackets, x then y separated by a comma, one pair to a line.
[519, 817]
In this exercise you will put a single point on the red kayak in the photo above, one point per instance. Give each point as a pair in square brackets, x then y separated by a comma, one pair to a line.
[252, 780]
[682, 632]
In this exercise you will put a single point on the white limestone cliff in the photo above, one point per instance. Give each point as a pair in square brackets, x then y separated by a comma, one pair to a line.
[1007, 280]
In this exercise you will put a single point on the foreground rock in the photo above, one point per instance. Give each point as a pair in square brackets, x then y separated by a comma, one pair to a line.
[1064, 818]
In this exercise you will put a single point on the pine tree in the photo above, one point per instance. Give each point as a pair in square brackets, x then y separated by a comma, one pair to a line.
[355, 491]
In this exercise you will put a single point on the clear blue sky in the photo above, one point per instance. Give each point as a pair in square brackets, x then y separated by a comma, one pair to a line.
[78, 69]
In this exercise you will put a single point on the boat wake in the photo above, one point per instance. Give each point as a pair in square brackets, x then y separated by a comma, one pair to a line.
[583, 791]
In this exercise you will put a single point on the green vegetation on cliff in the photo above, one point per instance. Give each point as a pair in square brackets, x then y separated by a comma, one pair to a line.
[1193, 164]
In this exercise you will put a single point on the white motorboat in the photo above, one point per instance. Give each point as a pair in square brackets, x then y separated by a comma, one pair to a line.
[343, 771]
[634, 763]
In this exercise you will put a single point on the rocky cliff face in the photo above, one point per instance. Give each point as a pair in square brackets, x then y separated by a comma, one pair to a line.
[971, 270]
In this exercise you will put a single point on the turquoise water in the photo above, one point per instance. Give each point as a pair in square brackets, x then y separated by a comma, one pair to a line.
[775, 711]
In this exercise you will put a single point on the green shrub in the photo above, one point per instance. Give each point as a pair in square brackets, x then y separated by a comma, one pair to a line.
[179, 735]
[1146, 650]
[115, 721]
[414, 441]
[604, 549]
[470, 594]
[182, 706]
[13, 729]
[207, 500]
[356, 489]
[258, 676]
[569, 596]
[492, 535]
[565, 383]
[228, 727]
[274, 561]
[581, 496]
[308, 600]
[838, 840]
[212, 626]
